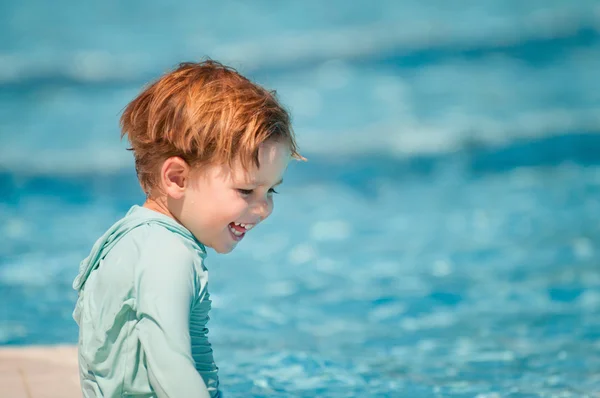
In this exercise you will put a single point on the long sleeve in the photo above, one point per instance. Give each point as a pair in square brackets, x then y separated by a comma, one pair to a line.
[166, 288]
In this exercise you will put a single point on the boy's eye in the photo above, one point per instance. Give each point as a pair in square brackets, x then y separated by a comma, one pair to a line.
[247, 192]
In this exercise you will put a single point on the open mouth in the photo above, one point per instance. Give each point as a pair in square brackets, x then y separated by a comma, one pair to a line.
[238, 230]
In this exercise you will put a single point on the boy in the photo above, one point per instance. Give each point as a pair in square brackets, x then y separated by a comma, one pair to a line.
[210, 147]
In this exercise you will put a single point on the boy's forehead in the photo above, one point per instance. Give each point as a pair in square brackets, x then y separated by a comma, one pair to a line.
[264, 175]
[252, 176]
[273, 160]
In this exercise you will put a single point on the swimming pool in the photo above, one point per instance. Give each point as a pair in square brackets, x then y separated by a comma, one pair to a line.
[441, 240]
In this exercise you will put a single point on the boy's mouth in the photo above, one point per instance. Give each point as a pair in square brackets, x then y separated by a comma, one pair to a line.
[238, 230]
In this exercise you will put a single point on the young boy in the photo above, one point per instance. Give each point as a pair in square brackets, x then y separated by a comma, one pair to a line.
[210, 147]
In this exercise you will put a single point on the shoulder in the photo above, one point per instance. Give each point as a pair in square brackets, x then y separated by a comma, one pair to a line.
[164, 252]
[156, 241]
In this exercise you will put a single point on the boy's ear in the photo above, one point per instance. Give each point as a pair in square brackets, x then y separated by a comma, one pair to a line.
[174, 176]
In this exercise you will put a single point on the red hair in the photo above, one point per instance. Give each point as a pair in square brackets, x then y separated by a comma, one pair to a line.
[205, 113]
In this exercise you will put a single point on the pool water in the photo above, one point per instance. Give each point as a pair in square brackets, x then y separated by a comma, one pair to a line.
[440, 241]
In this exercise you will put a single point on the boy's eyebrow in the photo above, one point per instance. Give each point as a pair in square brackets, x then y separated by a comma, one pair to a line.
[262, 183]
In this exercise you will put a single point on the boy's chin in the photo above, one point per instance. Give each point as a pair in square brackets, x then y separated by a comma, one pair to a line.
[224, 249]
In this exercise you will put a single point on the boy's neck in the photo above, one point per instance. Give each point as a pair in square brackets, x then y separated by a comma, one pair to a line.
[159, 206]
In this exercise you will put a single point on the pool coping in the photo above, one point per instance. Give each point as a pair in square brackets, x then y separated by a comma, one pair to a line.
[39, 372]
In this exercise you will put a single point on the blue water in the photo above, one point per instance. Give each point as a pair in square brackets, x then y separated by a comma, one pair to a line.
[441, 240]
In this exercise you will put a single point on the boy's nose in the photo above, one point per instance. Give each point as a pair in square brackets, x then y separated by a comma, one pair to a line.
[263, 209]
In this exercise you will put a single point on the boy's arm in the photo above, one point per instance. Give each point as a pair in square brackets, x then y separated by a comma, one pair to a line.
[165, 292]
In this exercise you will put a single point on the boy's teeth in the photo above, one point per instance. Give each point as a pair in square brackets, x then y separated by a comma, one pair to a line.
[247, 226]
[235, 231]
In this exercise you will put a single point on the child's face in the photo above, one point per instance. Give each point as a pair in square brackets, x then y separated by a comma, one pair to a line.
[221, 204]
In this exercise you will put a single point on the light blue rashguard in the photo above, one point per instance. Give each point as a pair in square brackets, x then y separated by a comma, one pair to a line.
[142, 312]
